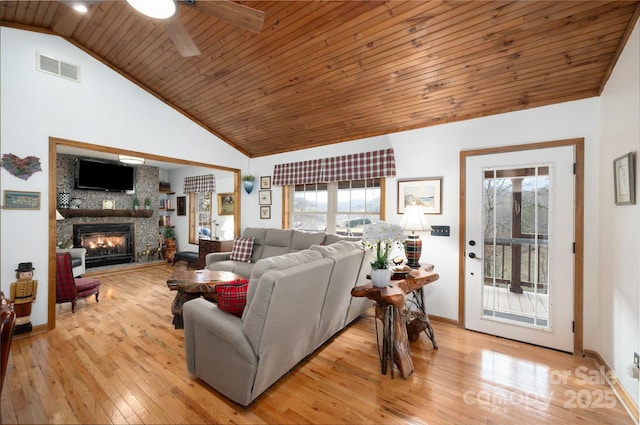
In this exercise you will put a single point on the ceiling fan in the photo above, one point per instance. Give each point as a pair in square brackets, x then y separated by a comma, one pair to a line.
[226, 10]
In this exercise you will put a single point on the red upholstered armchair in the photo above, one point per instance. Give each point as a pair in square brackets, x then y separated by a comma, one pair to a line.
[7, 325]
[68, 288]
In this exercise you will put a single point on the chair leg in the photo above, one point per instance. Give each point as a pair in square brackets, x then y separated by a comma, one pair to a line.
[73, 306]
[97, 293]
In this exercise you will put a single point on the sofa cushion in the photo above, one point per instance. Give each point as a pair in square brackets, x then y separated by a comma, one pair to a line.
[259, 236]
[303, 240]
[242, 249]
[278, 263]
[333, 238]
[232, 296]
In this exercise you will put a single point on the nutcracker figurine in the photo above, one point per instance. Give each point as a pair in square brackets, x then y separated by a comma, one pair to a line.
[22, 295]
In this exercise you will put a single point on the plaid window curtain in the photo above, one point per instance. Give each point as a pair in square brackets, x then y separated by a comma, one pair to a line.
[200, 184]
[363, 165]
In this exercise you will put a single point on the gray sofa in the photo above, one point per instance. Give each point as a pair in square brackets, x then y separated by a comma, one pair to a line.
[295, 302]
[269, 243]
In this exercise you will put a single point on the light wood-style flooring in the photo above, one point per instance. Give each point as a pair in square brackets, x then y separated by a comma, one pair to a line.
[121, 361]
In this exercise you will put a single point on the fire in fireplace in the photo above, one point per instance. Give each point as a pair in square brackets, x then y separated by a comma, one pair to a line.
[106, 243]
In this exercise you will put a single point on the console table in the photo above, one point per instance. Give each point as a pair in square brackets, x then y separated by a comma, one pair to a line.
[391, 310]
[206, 246]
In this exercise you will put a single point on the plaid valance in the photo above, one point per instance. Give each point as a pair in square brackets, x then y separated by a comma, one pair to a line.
[364, 165]
[199, 184]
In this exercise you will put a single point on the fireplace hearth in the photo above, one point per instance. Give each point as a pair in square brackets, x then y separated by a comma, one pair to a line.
[106, 243]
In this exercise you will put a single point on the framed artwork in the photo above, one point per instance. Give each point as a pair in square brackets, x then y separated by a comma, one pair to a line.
[426, 192]
[226, 204]
[21, 200]
[624, 180]
[108, 204]
[264, 197]
[265, 212]
[265, 182]
[181, 202]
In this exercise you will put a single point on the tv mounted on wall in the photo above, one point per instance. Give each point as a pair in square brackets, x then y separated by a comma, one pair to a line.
[95, 174]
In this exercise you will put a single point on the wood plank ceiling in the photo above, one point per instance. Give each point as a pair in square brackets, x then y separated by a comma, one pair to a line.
[326, 72]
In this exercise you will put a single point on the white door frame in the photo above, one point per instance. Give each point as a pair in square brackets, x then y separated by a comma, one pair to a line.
[578, 145]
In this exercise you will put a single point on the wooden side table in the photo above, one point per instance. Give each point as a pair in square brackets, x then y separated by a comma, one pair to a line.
[390, 309]
[205, 246]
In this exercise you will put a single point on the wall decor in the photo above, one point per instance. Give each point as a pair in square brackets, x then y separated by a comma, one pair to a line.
[624, 180]
[265, 182]
[21, 200]
[265, 212]
[264, 197]
[226, 204]
[108, 204]
[21, 168]
[182, 205]
[426, 192]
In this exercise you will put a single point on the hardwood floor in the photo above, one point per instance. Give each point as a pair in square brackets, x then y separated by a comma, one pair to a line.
[121, 361]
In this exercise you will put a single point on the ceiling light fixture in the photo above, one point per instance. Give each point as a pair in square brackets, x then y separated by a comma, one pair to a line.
[131, 159]
[158, 9]
[80, 7]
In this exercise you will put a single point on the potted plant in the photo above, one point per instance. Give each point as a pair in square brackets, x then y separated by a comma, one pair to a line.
[382, 237]
[147, 203]
[247, 182]
[136, 203]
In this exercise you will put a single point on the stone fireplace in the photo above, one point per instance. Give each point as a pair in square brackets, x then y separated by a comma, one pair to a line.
[106, 243]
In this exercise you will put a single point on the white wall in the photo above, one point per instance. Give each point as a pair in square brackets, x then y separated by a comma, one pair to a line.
[103, 109]
[619, 275]
[434, 152]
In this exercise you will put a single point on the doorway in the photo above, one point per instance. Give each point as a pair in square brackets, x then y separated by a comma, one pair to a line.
[521, 216]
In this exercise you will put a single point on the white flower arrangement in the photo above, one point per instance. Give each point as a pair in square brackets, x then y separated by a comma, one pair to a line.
[382, 236]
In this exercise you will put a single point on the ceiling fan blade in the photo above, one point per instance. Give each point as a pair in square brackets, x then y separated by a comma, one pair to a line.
[235, 13]
[181, 38]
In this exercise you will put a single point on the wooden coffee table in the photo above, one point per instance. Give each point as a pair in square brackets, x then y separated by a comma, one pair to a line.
[192, 284]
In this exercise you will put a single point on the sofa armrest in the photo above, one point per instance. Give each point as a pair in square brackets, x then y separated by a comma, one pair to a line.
[217, 350]
[214, 257]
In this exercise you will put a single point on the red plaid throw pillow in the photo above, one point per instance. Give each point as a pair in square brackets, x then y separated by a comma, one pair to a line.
[232, 296]
[242, 249]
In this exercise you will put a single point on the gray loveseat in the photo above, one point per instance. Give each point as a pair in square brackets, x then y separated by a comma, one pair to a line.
[295, 302]
[269, 243]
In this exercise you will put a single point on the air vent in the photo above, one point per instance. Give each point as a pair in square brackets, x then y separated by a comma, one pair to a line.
[56, 67]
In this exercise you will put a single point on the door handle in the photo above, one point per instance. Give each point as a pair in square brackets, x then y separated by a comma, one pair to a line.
[473, 255]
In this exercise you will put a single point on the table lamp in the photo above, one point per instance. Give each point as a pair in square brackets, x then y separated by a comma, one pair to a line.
[415, 221]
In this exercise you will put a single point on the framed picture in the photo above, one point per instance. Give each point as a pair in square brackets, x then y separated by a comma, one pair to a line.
[21, 200]
[181, 202]
[264, 197]
[265, 182]
[108, 204]
[426, 192]
[265, 212]
[226, 204]
[624, 180]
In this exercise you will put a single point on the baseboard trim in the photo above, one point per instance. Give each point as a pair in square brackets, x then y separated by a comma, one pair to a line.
[443, 320]
[613, 381]
[36, 330]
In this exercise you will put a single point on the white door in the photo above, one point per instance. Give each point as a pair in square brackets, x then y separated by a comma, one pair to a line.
[519, 273]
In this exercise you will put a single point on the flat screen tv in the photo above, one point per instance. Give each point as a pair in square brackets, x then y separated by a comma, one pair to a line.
[94, 174]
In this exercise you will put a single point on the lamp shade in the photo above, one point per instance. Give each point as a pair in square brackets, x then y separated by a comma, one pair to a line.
[414, 219]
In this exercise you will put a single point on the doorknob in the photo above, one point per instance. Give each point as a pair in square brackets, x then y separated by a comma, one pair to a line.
[473, 255]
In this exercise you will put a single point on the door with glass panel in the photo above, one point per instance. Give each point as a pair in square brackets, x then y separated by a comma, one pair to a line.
[519, 271]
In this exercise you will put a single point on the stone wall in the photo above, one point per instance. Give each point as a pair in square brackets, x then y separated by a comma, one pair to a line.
[147, 185]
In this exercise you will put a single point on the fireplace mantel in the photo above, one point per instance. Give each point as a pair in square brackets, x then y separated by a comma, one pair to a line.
[68, 213]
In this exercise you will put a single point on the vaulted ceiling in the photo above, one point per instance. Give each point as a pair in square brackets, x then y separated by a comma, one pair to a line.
[318, 73]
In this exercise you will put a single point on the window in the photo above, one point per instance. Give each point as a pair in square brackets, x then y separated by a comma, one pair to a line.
[200, 216]
[337, 207]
